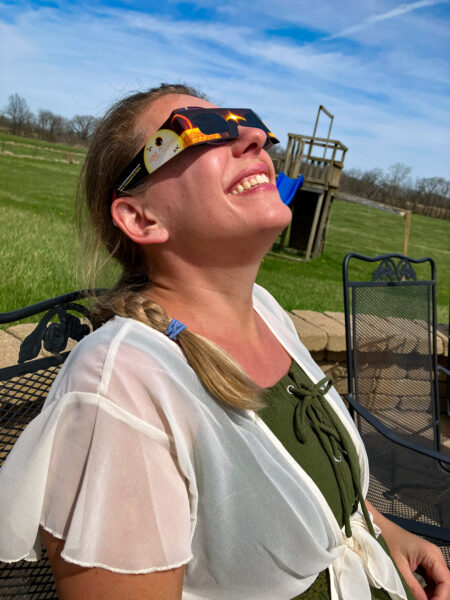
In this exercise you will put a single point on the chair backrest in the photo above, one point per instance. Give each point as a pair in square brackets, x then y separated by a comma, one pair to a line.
[24, 385]
[390, 308]
[288, 186]
[390, 313]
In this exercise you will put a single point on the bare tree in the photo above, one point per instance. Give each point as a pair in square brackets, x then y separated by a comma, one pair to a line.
[396, 187]
[51, 127]
[19, 115]
[433, 191]
[363, 183]
[83, 126]
[399, 175]
[373, 182]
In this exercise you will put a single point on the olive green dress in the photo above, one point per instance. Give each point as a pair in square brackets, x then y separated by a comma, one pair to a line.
[301, 418]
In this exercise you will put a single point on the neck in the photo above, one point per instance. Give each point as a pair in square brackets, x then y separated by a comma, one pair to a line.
[216, 302]
[206, 299]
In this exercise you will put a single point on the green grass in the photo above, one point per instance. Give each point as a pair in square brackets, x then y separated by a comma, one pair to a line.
[317, 285]
[8, 139]
[39, 251]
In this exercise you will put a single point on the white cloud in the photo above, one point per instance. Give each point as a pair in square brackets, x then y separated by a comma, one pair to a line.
[79, 60]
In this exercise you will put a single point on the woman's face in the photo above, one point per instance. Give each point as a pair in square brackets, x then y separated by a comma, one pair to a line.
[201, 197]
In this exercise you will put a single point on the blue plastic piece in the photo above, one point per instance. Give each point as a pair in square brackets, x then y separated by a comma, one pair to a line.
[288, 186]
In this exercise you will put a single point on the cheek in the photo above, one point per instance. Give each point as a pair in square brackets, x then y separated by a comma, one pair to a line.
[190, 186]
[201, 183]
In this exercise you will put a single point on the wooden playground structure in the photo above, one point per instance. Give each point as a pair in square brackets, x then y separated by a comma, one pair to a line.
[320, 161]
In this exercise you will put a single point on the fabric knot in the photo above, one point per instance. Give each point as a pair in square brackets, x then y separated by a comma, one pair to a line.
[362, 561]
[313, 416]
[309, 409]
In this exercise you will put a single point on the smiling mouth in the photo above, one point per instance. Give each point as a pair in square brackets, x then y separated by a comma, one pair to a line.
[249, 182]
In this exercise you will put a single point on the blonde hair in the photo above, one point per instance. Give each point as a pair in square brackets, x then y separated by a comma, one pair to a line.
[115, 142]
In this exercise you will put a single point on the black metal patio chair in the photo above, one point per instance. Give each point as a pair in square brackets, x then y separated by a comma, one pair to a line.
[390, 314]
[24, 385]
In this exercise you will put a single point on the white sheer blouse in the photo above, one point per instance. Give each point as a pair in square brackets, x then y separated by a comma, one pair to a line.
[139, 469]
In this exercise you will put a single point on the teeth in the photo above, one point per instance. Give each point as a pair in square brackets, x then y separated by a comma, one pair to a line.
[247, 184]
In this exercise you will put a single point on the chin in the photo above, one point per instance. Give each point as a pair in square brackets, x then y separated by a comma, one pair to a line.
[277, 217]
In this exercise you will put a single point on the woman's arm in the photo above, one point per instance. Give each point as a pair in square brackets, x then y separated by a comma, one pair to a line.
[410, 552]
[80, 583]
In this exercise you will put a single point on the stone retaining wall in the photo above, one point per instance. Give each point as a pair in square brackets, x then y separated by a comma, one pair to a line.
[324, 336]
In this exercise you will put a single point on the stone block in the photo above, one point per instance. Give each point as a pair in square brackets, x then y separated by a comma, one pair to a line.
[410, 336]
[421, 404]
[367, 385]
[9, 349]
[372, 333]
[409, 422]
[382, 371]
[340, 383]
[445, 431]
[401, 336]
[335, 331]
[21, 331]
[403, 387]
[380, 402]
[441, 339]
[337, 316]
[313, 337]
[335, 357]
[442, 333]
[339, 371]
[333, 369]
[326, 367]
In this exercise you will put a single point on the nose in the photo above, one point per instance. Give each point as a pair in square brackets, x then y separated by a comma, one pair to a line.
[250, 140]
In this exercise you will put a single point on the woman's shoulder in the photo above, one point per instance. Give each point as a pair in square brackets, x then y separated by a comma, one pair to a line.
[120, 355]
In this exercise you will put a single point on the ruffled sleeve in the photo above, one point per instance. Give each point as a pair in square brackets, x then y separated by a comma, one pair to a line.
[114, 491]
[102, 478]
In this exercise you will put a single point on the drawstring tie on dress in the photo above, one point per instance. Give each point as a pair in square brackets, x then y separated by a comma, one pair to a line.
[313, 409]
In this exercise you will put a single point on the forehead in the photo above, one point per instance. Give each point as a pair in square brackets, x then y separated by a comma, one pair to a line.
[152, 118]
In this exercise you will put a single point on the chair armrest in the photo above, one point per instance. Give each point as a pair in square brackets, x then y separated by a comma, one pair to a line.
[422, 529]
[394, 437]
[444, 370]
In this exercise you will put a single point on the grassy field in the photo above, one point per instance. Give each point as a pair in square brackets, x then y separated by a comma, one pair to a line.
[39, 250]
[317, 285]
[17, 145]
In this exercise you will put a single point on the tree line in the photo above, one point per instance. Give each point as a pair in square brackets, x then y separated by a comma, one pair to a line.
[395, 186]
[20, 120]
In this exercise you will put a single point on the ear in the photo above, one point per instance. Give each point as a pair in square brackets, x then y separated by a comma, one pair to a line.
[134, 217]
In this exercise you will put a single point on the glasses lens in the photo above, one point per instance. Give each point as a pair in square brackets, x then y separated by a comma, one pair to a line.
[252, 120]
[211, 123]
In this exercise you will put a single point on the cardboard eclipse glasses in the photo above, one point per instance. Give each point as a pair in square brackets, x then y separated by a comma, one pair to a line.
[187, 127]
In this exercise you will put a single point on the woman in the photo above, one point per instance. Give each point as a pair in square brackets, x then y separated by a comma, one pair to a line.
[159, 467]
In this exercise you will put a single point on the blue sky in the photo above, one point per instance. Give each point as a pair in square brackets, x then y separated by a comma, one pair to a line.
[382, 67]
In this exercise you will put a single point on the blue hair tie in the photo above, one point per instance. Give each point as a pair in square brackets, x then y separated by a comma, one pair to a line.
[174, 328]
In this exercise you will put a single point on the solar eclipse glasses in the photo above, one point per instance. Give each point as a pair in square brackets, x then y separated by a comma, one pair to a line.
[184, 128]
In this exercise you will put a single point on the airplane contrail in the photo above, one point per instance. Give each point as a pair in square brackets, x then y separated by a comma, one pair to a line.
[396, 12]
